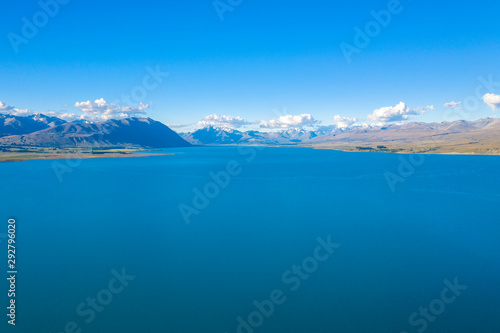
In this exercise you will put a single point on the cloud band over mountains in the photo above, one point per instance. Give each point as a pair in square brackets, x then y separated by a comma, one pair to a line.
[101, 110]
[400, 112]
[290, 121]
[222, 121]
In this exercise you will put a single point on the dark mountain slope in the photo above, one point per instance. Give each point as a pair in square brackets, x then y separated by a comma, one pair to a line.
[16, 125]
[130, 132]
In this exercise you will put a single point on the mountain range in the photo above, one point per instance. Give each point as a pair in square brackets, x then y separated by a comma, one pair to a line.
[16, 125]
[461, 136]
[211, 135]
[43, 131]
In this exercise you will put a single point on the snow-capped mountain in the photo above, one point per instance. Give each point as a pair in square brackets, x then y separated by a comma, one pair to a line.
[225, 136]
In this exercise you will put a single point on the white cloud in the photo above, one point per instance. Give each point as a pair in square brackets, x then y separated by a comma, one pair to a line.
[176, 125]
[452, 104]
[399, 112]
[344, 122]
[100, 110]
[92, 111]
[9, 109]
[290, 121]
[492, 100]
[422, 110]
[222, 121]
[64, 116]
[4, 108]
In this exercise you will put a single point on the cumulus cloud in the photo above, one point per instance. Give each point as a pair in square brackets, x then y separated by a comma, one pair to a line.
[63, 115]
[288, 121]
[344, 122]
[222, 121]
[422, 110]
[399, 112]
[9, 109]
[4, 108]
[92, 111]
[492, 100]
[452, 104]
[101, 110]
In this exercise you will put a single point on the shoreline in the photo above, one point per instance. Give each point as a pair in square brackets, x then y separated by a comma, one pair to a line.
[9, 158]
[6, 157]
[406, 152]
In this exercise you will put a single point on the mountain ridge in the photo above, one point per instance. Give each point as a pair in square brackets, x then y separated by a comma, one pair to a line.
[128, 132]
[460, 136]
[18, 125]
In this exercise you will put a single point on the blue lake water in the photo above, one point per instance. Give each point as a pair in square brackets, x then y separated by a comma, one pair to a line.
[255, 238]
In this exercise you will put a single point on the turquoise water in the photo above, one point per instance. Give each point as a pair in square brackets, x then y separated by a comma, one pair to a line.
[392, 250]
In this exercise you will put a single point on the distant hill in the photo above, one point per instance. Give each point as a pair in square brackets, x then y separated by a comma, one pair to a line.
[130, 132]
[225, 136]
[213, 135]
[49, 121]
[480, 136]
[16, 125]
[407, 132]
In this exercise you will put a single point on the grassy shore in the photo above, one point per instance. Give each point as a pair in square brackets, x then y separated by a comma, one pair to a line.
[17, 154]
[429, 147]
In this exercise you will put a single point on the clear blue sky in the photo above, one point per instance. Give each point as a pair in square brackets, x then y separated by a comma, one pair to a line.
[264, 56]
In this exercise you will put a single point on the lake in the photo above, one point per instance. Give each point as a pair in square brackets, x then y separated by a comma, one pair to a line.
[227, 239]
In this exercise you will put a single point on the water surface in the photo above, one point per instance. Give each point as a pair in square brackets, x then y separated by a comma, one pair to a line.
[396, 247]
